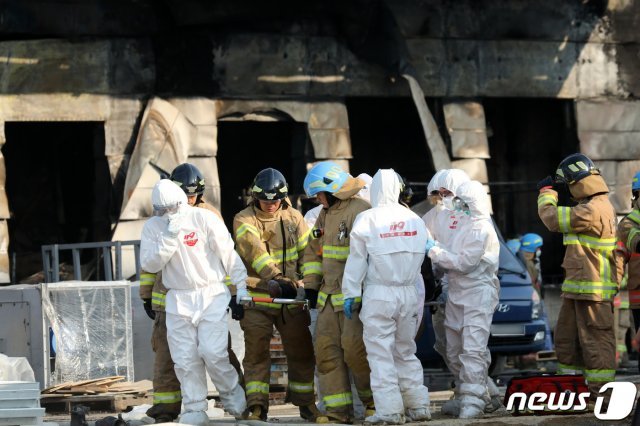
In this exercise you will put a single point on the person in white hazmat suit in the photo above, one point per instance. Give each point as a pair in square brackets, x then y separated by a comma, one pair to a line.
[470, 259]
[442, 223]
[386, 253]
[194, 250]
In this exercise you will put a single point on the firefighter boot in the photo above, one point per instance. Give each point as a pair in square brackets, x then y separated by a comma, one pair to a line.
[309, 412]
[164, 418]
[370, 410]
[256, 412]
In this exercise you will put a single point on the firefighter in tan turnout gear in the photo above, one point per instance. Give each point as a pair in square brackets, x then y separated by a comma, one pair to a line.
[270, 237]
[339, 344]
[167, 398]
[629, 249]
[585, 339]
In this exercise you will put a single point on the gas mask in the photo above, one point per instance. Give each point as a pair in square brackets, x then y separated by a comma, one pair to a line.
[460, 206]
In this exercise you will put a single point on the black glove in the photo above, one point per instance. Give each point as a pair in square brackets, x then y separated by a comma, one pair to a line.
[148, 309]
[312, 297]
[548, 181]
[281, 286]
[237, 310]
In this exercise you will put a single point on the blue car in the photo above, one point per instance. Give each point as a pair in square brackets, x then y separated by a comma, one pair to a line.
[519, 323]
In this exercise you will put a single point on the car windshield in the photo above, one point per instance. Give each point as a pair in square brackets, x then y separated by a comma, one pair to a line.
[508, 261]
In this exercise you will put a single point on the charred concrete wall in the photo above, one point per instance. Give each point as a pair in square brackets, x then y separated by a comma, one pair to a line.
[103, 61]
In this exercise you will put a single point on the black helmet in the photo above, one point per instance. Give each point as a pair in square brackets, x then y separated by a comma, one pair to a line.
[189, 178]
[574, 168]
[269, 185]
[406, 193]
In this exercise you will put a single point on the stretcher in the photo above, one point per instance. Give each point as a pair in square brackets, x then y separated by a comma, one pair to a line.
[298, 300]
[248, 300]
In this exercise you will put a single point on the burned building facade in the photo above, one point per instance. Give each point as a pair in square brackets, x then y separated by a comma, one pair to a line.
[92, 93]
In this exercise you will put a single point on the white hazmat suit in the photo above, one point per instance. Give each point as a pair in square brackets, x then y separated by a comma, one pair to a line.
[442, 223]
[193, 249]
[386, 252]
[470, 259]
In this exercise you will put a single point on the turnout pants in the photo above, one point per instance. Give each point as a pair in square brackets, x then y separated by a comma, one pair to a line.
[167, 399]
[339, 346]
[293, 326]
[622, 319]
[585, 341]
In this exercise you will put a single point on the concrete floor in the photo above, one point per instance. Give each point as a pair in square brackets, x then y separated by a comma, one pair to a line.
[437, 380]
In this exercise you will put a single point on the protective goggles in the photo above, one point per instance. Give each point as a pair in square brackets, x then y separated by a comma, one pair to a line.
[162, 210]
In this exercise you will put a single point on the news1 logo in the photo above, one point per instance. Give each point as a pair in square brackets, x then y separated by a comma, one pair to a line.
[623, 395]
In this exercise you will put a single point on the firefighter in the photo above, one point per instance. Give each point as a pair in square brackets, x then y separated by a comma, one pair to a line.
[339, 343]
[270, 237]
[530, 247]
[584, 336]
[629, 296]
[622, 322]
[166, 396]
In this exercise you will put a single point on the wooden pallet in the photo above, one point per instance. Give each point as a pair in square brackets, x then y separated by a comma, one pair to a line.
[102, 402]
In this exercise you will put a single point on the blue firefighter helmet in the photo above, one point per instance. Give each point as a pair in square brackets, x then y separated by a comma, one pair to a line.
[635, 182]
[530, 242]
[325, 176]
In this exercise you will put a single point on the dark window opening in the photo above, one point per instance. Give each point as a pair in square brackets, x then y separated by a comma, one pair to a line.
[527, 140]
[246, 147]
[59, 189]
[387, 133]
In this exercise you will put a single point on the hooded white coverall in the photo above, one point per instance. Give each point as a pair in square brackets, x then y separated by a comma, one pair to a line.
[386, 252]
[470, 259]
[442, 223]
[195, 252]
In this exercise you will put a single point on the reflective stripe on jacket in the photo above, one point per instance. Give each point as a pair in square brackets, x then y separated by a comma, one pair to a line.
[325, 257]
[264, 251]
[592, 267]
[628, 238]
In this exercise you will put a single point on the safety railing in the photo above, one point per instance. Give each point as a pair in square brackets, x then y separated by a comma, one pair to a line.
[51, 259]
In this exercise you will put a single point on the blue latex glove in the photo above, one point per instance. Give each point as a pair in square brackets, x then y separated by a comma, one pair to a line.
[348, 306]
[430, 244]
